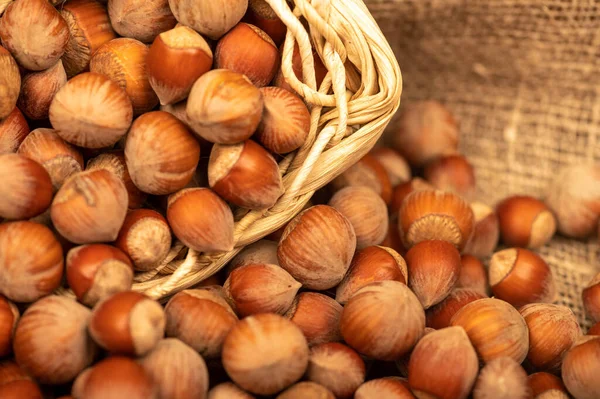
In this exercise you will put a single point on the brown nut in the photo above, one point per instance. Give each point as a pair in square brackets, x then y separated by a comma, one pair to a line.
[544, 385]
[440, 315]
[452, 173]
[580, 368]
[384, 388]
[317, 247]
[31, 261]
[395, 165]
[261, 15]
[367, 172]
[97, 271]
[228, 390]
[473, 275]
[10, 371]
[51, 342]
[591, 298]
[371, 316]
[10, 83]
[38, 89]
[519, 277]
[262, 251]
[402, 191]
[212, 19]
[318, 316]
[13, 129]
[306, 389]
[486, 231]
[265, 354]
[9, 317]
[141, 21]
[525, 222]
[297, 69]
[594, 330]
[502, 378]
[20, 389]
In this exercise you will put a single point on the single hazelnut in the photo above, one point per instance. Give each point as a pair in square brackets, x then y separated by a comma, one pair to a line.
[245, 174]
[435, 215]
[60, 159]
[580, 368]
[224, 107]
[317, 247]
[24, 20]
[440, 315]
[486, 231]
[367, 172]
[544, 385]
[306, 389]
[228, 390]
[473, 275]
[519, 276]
[261, 15]
[318, 316]
[594, 330]
[265, 354]
[9, 317]
[123, 60]
[176, 59]
[369, 265]
[114, 161]
[13, 129]
[177, 370]
[98, 271]
[452, 173]
[525, 222]
[212, 19]
[161, 153]
[395, 165]
[26, 188]
[383, 388]
[90, 207]
[262, 251]
[443, 365]
[502, 378]
[127, 323]
[297, 69]
[591, 298]
[91, 111]
[10, 83]
[31, 261]
[38, 89]
[201, 220]
[89, 28]
[370, 320]
[140, 21]
[51, 342]
[20, 389]
[336, 367]
[426, 131]
[495, 328]
[402, 191]
[115, 377]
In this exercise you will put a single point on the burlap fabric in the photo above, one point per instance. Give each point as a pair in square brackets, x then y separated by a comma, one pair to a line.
[523, 78]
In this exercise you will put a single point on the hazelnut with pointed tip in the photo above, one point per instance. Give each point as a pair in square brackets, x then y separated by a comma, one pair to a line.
[486, 231]
[502, 378]
[402, 191]
[318, 316]
[525, 222]
[212, 19]
[544, 385]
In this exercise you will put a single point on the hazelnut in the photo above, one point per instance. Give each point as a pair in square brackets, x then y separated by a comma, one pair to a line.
[553, 329]
[395, 165]
[433, 269]
[13, 129]
[426, 131]
[591, 298]
[200, 318]
[519, 276]
[11, 371]
[245, 174]
[574, 198]
[176, 59]
[123, 60]
[392, 239]
[27, 19]
[402, 191]
[263, 251]
[97, 271]
[115, 377]
[366, 211]
[285, 121]
[443, 365]
[261, 15]
[201, 220]
[369, 265]
[485, 231]
[26, 188]
[297, 69]
[525, 222]
[371, 318]
[90, 207]
[176, 370]
[473, 275]
[261, 288]
[580, 368]
[211, 19]
[10, 83]
[495, 328]
[89, 28]
[317, 247]
[336, 367]
[161, 153]
[248, 50]
[452, 173]
[114, 161]
[546, 386]
[435, 215]
[383, 388]
[20, 389]
[142, 21]
[265, 354]
[440, 315]
[9, 316]
[51, 342]
[502, 378]
[60, 159]
[224, 107]
[39, 88]
[91, 111]
[318, 316]
[594, 330]
[31, 261]
[367, 172]
[306, 389]
[228, 390]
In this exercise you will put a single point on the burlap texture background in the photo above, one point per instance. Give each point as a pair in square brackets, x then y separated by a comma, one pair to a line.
[523, 78]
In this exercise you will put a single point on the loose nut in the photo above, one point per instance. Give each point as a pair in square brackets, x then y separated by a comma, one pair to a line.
[13, 129]
[10, 371]
[546, 386]
[495, 329]
[261, 15]
[39, 88]
[20, 389]
[265, 354]
[383, 388]
[367, 172]
[318, 316]
[452, 173]
[263, 251]
[51, 342]
[228, 390]
[31, 261]
[580, 368]
[402, 191]
[317, 247]
[90, 207]
[10, 83]
[591, 298]
[472, 275]
[297, 69]
[371, 317]
[142, 21]
[485, 232]
[306, 389]
[395, 165]
[502, 378]
[519, 277]
[440, 315]
[97, 271]
[211, 19]
[9, 317]
[525, 222]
